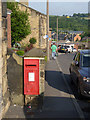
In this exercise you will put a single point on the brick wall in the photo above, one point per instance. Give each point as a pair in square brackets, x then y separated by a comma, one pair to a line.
[38, 26]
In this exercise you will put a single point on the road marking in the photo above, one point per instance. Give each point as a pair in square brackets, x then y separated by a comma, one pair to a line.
[78, 109]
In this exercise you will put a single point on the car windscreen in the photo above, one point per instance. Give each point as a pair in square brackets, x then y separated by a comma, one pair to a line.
[85, 60]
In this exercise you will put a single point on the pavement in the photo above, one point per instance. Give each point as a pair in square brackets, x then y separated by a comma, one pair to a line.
[59, 101]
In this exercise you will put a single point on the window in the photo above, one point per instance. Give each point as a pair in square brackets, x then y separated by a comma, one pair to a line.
[4, 9]
[85, 60]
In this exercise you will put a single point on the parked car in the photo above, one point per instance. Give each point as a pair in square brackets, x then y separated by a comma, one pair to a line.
[74, 50]
[70, 48]
[80, 72]
[62, 49]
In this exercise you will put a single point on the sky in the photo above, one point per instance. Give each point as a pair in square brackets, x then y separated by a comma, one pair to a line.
[60, 7]
[56, 0]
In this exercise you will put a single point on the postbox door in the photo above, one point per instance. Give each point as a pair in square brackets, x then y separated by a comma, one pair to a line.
[31, 77]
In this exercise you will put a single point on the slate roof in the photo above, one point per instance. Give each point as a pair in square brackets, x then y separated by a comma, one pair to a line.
[75, 32]
[34, 52]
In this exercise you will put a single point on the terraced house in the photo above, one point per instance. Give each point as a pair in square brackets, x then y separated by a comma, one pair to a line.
[37, 24]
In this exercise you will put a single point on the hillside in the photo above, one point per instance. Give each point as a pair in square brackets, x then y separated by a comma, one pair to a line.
[75, 23]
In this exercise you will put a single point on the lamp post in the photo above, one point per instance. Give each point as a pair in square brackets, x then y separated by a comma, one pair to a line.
[48, 30]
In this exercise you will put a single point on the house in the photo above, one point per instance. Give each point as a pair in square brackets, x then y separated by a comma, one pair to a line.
[38, 25]
[77, 38]
[75, 35]
[75, 32]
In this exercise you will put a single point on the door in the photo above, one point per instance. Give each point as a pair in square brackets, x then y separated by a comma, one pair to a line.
[75, 67]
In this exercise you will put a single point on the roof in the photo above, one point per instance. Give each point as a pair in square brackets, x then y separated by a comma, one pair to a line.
[75, 32]
[85, 51]
[32, 9]
[34, 52]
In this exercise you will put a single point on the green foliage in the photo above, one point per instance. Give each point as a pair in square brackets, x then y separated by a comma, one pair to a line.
[20, 52]
[54, 40]
[77, 40]
[80, 15]
[72, 23]
[32, 40]
[83, 35]
[20, 26]
[46, 58]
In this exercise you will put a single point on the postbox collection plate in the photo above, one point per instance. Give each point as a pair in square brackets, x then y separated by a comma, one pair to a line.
[31, 76]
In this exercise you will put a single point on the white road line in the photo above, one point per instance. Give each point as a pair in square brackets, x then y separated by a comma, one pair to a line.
[78, 109]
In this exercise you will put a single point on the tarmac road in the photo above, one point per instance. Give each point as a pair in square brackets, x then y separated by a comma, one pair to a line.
[84, 103]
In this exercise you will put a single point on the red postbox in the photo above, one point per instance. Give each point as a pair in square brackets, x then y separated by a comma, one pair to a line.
[31, 76]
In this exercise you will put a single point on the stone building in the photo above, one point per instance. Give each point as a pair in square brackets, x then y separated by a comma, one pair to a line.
[4, 93]
[37, 24]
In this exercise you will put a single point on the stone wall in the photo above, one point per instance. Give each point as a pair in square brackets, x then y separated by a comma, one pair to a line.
[15, 78]
[38, 26]
[1, 60]
[4, 93]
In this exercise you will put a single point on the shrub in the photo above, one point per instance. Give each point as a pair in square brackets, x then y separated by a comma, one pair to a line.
[29, 47]
[46, 58]
[20, 52]
[32, 40]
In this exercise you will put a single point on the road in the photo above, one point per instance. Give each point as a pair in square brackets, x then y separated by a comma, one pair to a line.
[64, 62]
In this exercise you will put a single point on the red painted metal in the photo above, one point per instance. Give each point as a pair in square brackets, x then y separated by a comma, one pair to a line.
[31, 76]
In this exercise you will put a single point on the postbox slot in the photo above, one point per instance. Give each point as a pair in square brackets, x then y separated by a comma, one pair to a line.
[30, 65]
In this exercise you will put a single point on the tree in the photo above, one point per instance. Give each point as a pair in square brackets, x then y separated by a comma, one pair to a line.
[74, 23]
[20, 26]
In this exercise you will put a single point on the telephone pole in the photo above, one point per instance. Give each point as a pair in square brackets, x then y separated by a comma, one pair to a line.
[57, 30]
[48, 30]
